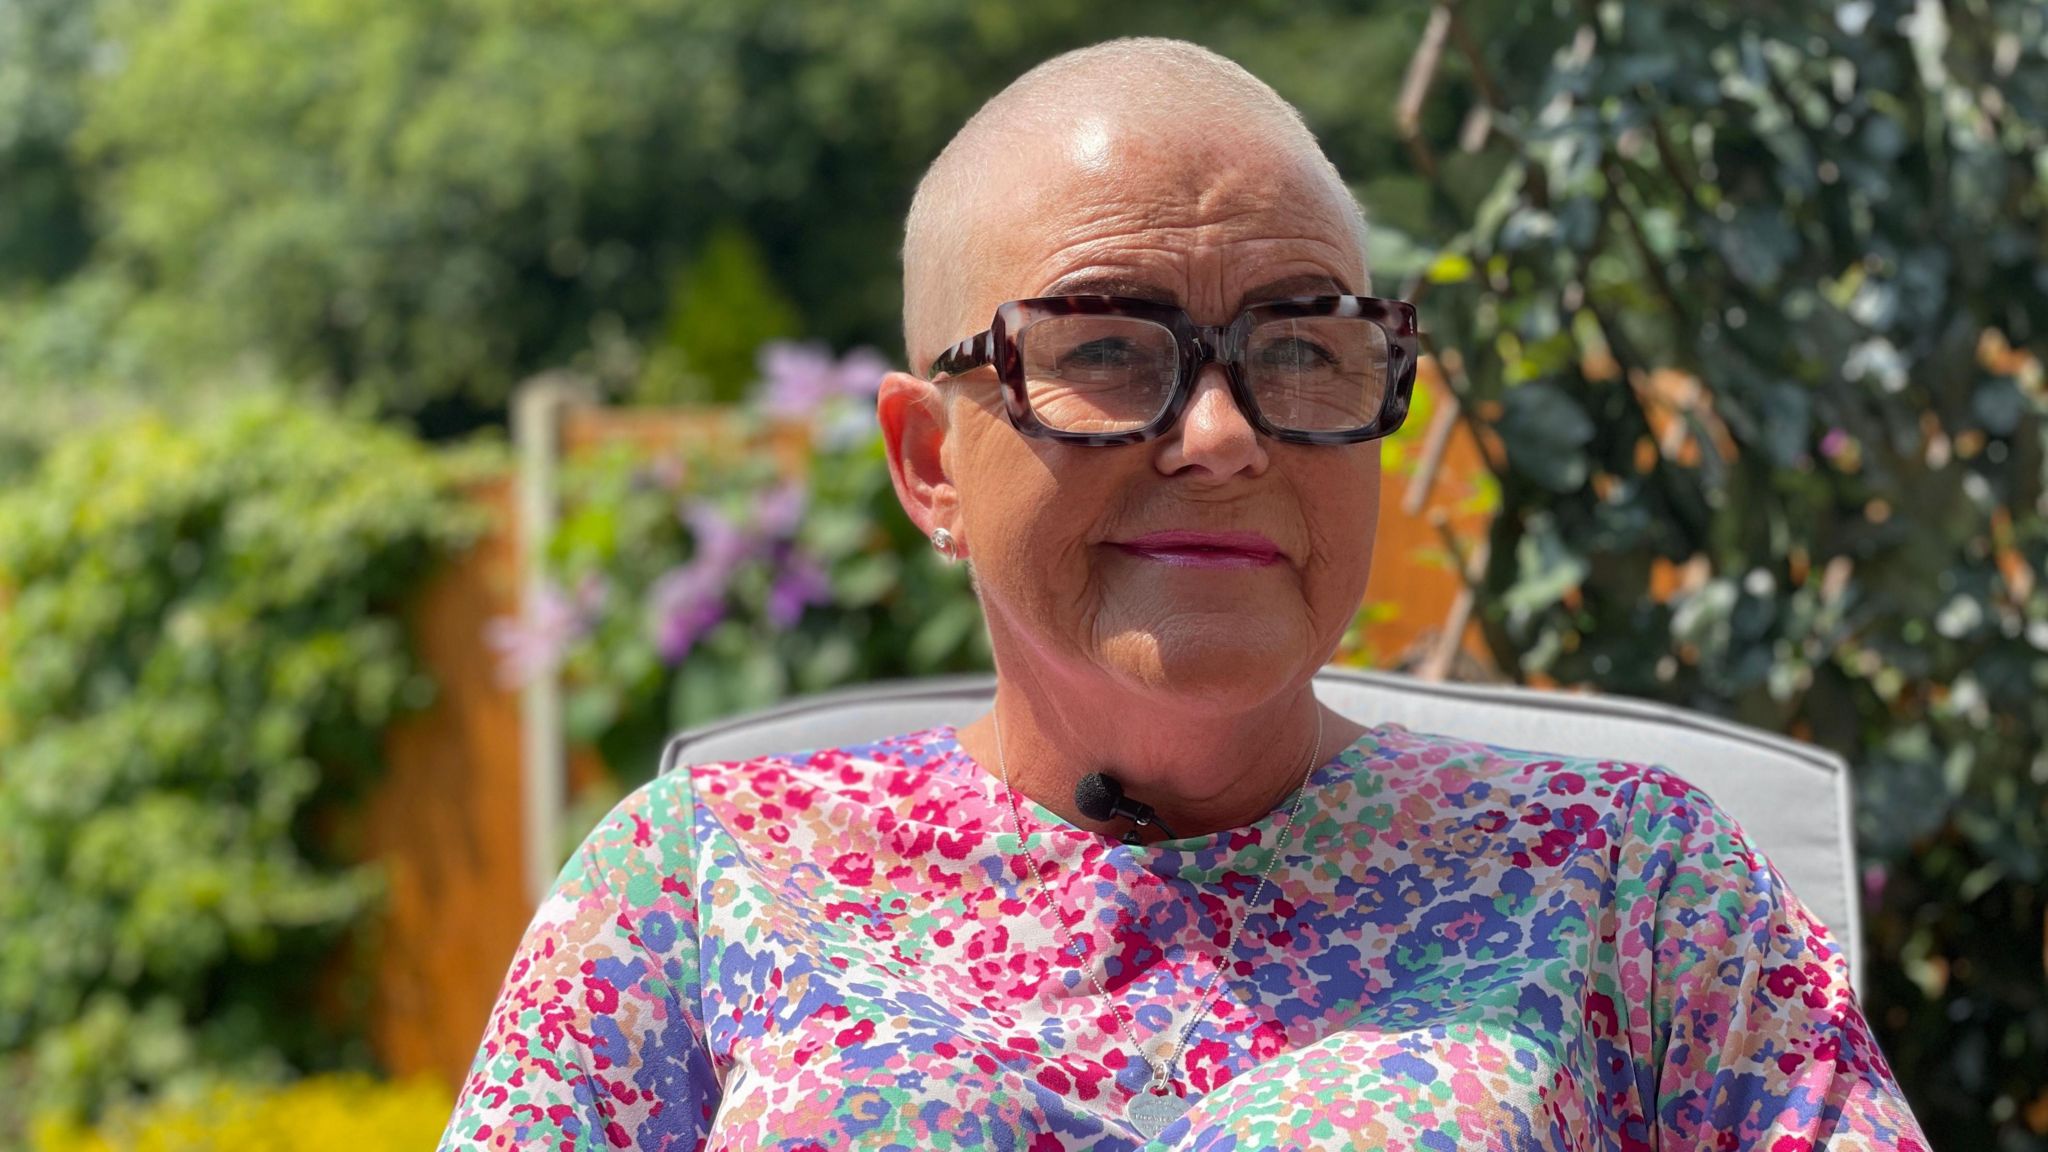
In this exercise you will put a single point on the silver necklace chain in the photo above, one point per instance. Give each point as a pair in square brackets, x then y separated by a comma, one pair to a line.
[1162, 1071]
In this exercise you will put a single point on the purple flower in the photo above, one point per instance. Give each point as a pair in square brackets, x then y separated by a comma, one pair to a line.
[1874, 877]
[800, 583]
[861, 372]
[1834, 443]
[533, 644]
[798, 379]
[795, 378]
[721, 544]
[689, 600]
[778, 510]
[685, 603]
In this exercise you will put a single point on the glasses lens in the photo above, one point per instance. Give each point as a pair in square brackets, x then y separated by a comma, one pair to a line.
[1318, 373]
[1097, 373]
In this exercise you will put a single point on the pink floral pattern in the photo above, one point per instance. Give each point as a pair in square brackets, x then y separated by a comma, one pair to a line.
[1467, 947]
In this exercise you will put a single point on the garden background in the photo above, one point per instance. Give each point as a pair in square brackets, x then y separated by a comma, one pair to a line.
[1738, 312]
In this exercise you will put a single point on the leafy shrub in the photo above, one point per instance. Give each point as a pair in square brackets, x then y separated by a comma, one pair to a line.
[344, 1113]
[1754, 318]
[200, 642]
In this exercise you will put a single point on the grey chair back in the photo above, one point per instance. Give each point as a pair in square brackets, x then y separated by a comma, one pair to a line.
[1791, 799]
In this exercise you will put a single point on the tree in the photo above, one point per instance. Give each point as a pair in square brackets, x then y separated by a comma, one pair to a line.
[427, 202]
[1754, 323]
[44, 50]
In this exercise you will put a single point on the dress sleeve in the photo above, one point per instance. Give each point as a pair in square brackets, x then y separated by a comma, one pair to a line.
[1742, 1024]
[595, 1041]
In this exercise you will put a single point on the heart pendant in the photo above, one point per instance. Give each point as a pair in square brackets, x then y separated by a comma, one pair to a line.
[1151, 1112]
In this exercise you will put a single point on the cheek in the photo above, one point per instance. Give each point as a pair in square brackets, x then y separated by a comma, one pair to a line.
[1033, 516]
[1343, 520]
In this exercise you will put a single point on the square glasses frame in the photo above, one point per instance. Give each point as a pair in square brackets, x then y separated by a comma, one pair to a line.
[1198, 345]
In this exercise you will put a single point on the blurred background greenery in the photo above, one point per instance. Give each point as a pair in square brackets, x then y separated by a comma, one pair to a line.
[1747, 304]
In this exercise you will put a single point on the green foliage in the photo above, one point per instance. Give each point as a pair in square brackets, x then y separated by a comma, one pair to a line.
[724, 307]
[1833, 219]
[44, 50]
[200, 643]
[427, 202]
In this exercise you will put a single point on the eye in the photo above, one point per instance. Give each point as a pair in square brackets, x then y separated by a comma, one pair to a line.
[1108, 352]
[1294, 354]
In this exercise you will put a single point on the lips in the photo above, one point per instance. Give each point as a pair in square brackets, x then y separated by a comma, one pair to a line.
[1203, 549]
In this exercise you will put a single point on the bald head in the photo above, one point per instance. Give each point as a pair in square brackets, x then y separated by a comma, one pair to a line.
[1138, 117]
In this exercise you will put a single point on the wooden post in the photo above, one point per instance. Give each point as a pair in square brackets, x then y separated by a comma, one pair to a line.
[537, 417]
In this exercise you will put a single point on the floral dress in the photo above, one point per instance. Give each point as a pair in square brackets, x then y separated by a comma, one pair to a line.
[1463, 947]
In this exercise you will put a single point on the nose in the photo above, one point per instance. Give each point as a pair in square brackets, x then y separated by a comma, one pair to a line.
[1213, 434]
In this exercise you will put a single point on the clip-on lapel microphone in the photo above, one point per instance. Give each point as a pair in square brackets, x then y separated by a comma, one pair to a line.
[1101, 798]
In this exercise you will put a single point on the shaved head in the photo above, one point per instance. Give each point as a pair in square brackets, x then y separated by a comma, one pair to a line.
[1135, 114]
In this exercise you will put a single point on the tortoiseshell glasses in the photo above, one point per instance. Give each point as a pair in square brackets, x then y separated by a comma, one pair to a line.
[1113, 370]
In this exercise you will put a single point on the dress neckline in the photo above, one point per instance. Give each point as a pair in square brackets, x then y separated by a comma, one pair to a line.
[1041, 821]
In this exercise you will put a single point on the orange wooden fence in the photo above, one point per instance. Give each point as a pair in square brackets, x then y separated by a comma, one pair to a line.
[445, 823]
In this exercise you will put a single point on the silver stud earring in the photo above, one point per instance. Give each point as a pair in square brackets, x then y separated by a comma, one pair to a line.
[943, 541]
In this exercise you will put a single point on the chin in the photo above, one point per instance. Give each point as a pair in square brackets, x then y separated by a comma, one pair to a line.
[1212, 671]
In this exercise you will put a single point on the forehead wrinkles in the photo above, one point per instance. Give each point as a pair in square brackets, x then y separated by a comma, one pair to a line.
[1192, 219]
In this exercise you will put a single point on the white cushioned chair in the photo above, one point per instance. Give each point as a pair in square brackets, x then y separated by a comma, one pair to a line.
[1791, 799]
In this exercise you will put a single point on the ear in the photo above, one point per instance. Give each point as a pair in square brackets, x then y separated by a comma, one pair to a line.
[914, 428]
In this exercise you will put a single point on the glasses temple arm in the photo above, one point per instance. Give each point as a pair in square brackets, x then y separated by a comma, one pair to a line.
[965, 356]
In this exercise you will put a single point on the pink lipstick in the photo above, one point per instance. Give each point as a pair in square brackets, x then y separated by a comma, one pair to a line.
[1204, 549]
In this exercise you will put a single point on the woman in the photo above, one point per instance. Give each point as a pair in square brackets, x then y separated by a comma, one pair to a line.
[1150, 424]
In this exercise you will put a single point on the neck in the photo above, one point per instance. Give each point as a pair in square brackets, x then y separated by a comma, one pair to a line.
[1201, 770]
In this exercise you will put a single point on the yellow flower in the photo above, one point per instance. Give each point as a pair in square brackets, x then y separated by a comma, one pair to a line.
[349, 1113]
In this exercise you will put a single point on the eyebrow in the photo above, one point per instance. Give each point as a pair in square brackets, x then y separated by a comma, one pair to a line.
[1302, 284]
[1121, 284]
[1108, 284]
